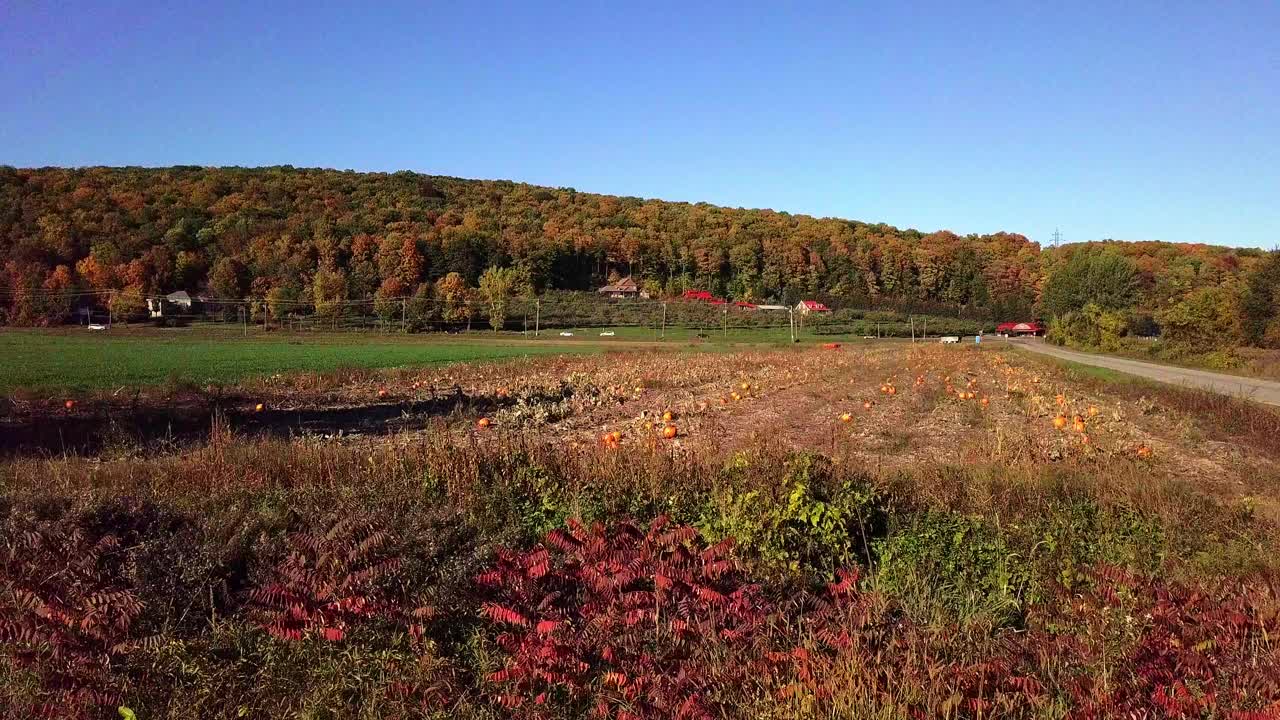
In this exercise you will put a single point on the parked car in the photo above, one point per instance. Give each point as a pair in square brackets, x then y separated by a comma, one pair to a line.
[566, 334]
[949, 340]
[606, 333]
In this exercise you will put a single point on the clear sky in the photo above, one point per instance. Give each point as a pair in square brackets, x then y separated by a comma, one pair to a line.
[1132, 120]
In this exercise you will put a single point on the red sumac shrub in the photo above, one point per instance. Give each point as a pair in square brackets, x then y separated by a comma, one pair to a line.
[331, 580]
[65, 613]
[624, 622]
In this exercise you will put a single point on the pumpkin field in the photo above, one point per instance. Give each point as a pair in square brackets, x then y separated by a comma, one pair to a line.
[822, 531]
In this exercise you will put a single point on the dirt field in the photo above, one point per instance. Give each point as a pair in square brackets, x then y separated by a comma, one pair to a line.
[883, 407]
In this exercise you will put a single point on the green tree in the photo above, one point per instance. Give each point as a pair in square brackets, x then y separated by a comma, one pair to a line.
[1206, 320]
[1106, 279]
[497, 286]
[1260, 308]
[128, 304]
[329, 292]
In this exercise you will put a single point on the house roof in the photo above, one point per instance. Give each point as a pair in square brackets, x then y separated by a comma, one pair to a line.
[626, 284]
[176, 296]
[814, 305]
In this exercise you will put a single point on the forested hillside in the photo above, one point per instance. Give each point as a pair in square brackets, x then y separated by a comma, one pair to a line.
[323, 236]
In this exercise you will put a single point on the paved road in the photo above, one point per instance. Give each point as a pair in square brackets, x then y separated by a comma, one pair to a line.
[1266, 391]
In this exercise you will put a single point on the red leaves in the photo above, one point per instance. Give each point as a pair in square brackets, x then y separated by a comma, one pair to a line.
[501, 614]
[329, 581]
[653, 615]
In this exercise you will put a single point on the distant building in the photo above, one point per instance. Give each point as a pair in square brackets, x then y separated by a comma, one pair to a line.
[1020, 328]
[804, 307]
[175, 303]
[702, 295]
[624, 288]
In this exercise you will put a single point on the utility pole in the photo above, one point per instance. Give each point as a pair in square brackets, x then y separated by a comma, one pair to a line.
[664, 322]
[912, 318]
[537, 317]
[726, 321]
[791, 315]
[404, 315]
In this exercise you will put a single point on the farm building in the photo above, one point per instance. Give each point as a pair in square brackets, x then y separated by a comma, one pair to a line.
[1020, 328]
[175, 303]
[624, 288]
[804, 307]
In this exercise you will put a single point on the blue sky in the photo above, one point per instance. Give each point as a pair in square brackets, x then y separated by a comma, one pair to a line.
[1130, 120]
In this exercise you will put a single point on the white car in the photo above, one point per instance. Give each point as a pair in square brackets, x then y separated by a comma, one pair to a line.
[606, 333]
[566, 334]
[96, 326]
[949, 340]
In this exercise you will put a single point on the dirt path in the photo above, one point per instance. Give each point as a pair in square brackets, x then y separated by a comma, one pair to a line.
[1265, 391]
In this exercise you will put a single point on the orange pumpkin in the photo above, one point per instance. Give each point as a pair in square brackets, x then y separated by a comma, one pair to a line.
[1144, 452]
[1060, 421]
[670, 432]
[846, 417]
[259, 407]
[667, 417]
[483, 423]
[1078, 426]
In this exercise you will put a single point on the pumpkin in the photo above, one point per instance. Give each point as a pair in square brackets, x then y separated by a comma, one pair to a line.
[1144, 452]
[69, 404]
[483, 423]
[259, 407]
[1060, 421]
[846, 417]
[1078, 426]
[382, 393]
[986, 401]
[667, 417]
[670, 432]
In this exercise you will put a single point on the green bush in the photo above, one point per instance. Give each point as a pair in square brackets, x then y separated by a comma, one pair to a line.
[808, 522]
[946, 568]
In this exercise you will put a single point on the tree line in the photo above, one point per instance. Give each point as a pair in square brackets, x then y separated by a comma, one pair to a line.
[282, 235]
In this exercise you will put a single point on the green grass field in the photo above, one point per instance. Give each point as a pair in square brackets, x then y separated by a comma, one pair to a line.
[44, 360]
[74, 359]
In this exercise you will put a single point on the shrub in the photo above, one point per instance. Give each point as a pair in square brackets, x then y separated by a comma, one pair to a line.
[624, 622]
[331, 580]
[947, 568]
[66, 615]
[808, 522]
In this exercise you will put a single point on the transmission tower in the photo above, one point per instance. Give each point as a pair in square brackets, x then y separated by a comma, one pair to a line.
[1057, 237]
